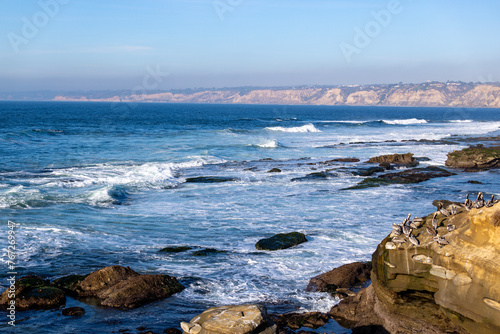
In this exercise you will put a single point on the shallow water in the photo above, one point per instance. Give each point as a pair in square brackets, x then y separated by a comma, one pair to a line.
[96, 184]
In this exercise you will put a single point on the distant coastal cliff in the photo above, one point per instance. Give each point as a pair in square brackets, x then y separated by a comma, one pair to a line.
[429, 94]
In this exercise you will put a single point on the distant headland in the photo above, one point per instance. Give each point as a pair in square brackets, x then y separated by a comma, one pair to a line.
[428, 94]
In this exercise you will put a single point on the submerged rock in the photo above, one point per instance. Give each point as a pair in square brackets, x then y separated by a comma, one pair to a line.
[281, 241]
[175, 249]
[299, 320]
[406, 159]
[275, 170]
[235, 319]
[73, 311]
[475, 158]
[343, 277]
[207, 251]
[415, 175]
[368, 171]
[210, 179]
[33, 292]
[315, 176]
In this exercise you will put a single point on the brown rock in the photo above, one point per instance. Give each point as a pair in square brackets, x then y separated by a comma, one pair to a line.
[398, 159]
[172, 331]
[138, 290]
[299, 320]
[475, 158]
[346, 276]
[103, 278]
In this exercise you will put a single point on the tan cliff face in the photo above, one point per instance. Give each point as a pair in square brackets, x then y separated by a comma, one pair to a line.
[461, 279]
[428, 95]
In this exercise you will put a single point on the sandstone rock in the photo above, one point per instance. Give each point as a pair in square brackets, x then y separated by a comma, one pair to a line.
[475, 158]
[236, 319]
[73, 311]
[281, 241]
[102, 279]
[346, 276]
[398, 159]
[33, 292]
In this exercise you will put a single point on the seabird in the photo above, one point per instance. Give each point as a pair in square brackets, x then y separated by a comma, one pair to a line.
[441, 240]
[397, 229]
[453, 210]
[413, 239]
[468, 203]
[407, 230]
[413, 225]
[490, 203]
[435, 222]
[450, 227]
[398, 241]
[431, 231]
[443, 211]
[479, 201]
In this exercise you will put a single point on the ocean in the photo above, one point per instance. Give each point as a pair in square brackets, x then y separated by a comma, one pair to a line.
[97, 184]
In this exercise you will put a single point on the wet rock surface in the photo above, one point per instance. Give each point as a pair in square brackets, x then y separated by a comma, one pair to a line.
[33, 292]
[415, 175]
[475, 158]
[73, 311]
[281, 241]
[210, 179]
[298, 320]
[406, 159]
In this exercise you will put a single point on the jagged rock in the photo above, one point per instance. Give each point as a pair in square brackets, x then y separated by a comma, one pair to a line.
[406, 159]
[121, 287]
[433, 288]
[343, 277]
[210, 179]
[235, 319]
[73, 311]
[175, 249]
[475, 158]
[281, 241]
[299, 320]
[415, 175]
[33, 292]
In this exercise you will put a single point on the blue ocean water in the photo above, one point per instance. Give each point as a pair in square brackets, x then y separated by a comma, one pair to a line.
[97, 184]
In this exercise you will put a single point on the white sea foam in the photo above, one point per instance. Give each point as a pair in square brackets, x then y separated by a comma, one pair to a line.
[405, 121]
[304, 128]
[270, 144]
[461, 121]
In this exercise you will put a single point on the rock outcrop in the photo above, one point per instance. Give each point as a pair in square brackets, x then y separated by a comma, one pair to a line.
[475, 158]
[436, 286]
[122, 287]
[339, 280]
[406, 159]
[33, 292]
[235, 319]
[281, 241]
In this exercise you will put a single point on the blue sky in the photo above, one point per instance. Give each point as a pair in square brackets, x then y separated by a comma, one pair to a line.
[89, 44]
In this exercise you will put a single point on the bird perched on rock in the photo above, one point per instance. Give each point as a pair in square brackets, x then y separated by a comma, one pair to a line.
[443, 211]
[407, 230]
[479, 201]
[453, 210]
[413, 239]
[398, 241]
[451, 227]
[468, 203]
[432, 232]
[490, 203]
[435, 222]
[397, 229]
[441, 240]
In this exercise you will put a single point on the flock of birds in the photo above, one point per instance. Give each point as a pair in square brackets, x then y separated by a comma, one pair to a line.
[402, 232]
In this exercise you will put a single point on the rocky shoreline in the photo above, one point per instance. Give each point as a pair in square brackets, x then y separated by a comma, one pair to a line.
[434, 274]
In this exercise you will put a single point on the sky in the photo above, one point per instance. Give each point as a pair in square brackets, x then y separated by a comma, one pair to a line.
[170, 44]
